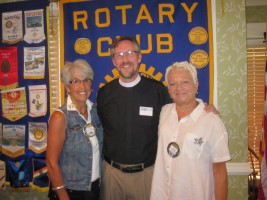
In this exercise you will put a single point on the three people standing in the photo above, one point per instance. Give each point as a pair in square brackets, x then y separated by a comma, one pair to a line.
[129, 109]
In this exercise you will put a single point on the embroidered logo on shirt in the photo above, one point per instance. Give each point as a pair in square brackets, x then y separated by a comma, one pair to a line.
[198, 141]
[75, 127]
[71, 106]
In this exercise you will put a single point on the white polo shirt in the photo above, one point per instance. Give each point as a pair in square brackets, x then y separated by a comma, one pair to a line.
[203, 140]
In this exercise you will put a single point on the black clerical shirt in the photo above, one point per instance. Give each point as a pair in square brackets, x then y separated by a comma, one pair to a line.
[130, 117]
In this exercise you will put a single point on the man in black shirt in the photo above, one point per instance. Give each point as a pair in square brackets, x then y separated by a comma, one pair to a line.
[129, 109]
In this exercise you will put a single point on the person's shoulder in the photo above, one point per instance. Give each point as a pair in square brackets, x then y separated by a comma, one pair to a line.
[93, 106]
[58, 113]
[167, 107]
[109, 85]
[152, 81]
[211, 117]
[157, 88]
[57, 116]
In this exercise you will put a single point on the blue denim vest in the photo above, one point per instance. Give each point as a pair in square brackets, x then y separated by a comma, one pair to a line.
[76, 156]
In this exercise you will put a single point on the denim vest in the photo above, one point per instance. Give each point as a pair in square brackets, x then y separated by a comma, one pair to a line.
[76, 156]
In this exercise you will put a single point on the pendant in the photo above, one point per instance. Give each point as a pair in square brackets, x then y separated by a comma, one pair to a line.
[173, 149]
[89, 130]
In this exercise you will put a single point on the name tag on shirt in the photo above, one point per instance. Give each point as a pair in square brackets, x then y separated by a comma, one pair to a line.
[146, 111]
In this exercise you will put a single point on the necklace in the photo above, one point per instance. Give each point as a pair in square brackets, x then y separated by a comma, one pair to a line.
[83, 113]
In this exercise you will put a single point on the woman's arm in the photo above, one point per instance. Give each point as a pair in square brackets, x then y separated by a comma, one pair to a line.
[220, 180]
[55, 141]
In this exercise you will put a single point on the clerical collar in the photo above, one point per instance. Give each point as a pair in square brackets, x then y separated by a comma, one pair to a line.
[131, 84]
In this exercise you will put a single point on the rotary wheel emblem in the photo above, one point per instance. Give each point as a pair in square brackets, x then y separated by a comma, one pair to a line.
[38, 134]
[149, 73]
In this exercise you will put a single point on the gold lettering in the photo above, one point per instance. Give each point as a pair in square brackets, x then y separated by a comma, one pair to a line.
[164, 40]
[144, 15]
[163, 12]
[149, 43]
[107, 19]
[189, 11]
[82, 19]
[123, 12]
[100, 41]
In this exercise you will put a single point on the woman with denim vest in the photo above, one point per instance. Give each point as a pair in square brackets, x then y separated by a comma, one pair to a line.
[75, 137]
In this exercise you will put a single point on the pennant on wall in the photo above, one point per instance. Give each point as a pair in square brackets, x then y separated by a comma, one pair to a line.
[19, 174]
[34, 62]
[8, 68]
[34, 26]
[12, 27]
[14, 104]
[37, 100]
[13, 140]
[2, 175]
[40, 176]
[37, 136]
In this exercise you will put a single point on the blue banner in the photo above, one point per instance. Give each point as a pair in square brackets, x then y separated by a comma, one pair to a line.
[168, 31]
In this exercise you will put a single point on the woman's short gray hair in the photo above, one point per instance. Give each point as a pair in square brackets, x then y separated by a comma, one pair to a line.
[185, 65]
[80, 65]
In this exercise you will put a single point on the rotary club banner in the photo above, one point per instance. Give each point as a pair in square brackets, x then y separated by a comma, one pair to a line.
[37, 136]
[14, 105]
[9, 68]
[40, 176]
[34, 25]
[37, 100]
[13, 140]
[34, 62]
[12, 27]
[19, 174]
[168, 31]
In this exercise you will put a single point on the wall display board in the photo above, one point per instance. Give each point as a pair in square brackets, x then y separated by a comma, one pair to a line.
[168, 31]
[24, 96]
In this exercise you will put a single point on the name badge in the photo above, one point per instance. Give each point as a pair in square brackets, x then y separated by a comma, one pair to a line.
[89, 130]
[146, 111]
[173, 149]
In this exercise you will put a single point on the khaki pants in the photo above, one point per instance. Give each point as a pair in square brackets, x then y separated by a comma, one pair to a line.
[117, 185]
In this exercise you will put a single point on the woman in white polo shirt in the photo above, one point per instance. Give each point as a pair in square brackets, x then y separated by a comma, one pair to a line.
[192, 145]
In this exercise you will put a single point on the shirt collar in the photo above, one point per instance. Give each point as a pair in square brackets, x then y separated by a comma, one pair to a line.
[195, 113]
[131, 84]
[198, 110]
[71, 106]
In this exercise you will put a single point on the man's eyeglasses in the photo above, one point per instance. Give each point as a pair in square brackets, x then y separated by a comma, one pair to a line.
[128, 54]
[77, 82]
